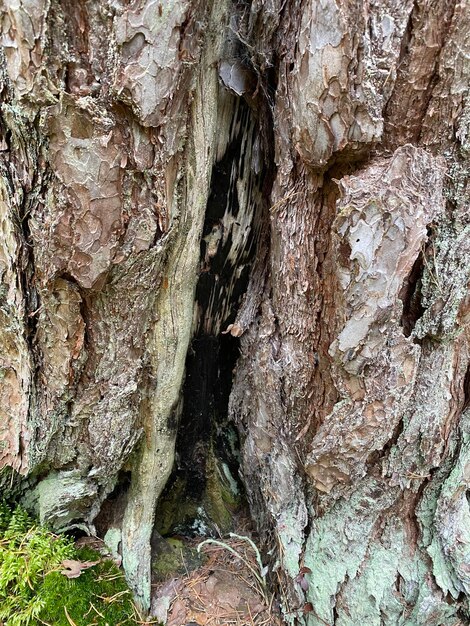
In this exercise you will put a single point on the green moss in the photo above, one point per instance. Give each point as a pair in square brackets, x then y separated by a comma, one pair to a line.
[98, 597]
[220, 497]
[168, 561]
[34, 592]
[27, 554]
[174, 558]
[177, 511]
[174, 508]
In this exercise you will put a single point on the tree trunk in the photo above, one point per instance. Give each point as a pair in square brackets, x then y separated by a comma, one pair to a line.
[182, 182]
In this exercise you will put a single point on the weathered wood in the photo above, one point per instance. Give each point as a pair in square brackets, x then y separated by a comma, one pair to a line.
[350, 238]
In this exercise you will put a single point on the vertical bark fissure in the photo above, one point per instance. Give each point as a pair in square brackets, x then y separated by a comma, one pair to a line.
[417, 71]
[410, 295]
[231, 236]
[22, 158]
[351, 330]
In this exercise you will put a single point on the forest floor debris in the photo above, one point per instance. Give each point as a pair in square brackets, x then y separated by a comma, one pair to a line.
[224, 591]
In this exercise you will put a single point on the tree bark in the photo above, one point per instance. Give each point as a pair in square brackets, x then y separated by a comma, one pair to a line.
[293, 174]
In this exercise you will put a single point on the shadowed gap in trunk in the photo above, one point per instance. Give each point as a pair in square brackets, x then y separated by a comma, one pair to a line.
[204, 491]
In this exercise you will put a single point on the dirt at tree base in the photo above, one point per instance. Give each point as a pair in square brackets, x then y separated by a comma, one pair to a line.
[224, 591]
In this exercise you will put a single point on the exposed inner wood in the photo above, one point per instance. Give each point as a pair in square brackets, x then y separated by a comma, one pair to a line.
[251, 216]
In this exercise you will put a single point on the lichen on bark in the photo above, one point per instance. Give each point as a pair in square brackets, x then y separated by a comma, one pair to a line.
[351, 391]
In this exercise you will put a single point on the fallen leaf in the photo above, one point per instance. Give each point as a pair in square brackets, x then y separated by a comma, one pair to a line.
[73, 569]
[178, 614]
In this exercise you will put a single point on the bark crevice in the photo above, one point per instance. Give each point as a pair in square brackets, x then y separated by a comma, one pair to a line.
[411, 296]
[307, 246]
[207, 449]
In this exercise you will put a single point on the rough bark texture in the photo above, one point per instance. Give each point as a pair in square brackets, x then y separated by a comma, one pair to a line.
[161, 159]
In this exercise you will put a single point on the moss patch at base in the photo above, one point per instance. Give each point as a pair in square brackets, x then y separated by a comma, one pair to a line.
[174, 557]
[99, 597]
[222, 496]
[175, 508]
[33, 592]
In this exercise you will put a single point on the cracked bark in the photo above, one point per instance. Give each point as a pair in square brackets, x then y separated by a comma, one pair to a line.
[352, 181]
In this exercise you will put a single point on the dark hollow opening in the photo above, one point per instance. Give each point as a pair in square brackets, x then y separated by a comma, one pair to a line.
[411, 297]
[204, 491]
